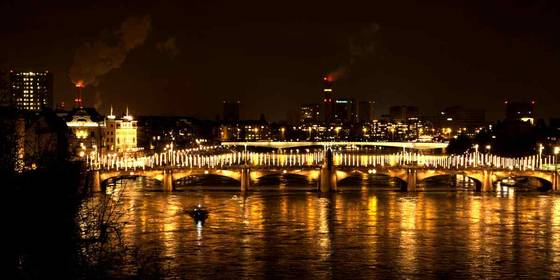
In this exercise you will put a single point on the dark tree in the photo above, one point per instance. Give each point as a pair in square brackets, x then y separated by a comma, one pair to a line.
[459, 145]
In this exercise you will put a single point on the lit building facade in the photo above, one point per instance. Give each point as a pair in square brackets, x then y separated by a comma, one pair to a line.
[120, 134]
[412, 129]
[309, 113]
[92, 133]
[31, 91]
[86, 126]
[245, 131]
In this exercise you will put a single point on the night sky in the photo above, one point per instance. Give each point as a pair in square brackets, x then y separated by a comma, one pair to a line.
[271, 55]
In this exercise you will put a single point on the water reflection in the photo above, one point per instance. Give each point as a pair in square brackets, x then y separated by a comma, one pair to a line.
[344, 235]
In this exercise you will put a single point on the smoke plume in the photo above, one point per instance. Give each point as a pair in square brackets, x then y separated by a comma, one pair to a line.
[96, 58]
[359, 47]
[168, 47]
[98, 100]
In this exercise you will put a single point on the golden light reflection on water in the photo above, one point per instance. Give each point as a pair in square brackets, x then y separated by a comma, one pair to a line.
[324, 229]
[344, 235]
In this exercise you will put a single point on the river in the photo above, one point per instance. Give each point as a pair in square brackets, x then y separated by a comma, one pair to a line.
[356, 233]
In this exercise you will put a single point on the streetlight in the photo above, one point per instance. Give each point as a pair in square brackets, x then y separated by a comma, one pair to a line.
[475, 154]
[487, 157]
[556, 152]
[541, 148]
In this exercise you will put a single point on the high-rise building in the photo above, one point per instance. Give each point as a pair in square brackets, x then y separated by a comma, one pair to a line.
[231, 110]
[344, 110]
[365, 111]
[327, 105]
[309, 113]
[523, 111]
[31, 91]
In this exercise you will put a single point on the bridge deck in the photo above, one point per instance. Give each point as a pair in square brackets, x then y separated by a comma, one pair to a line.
[279, 144]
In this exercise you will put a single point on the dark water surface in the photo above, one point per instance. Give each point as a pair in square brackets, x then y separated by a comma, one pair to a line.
[347, 235]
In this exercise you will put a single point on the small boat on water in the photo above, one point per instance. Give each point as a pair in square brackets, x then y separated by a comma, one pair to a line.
[198, 213]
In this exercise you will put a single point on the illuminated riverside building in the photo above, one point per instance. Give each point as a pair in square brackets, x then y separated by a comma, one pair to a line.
[86, 125]
[91, 132]
[120, 134]
[247, 130]
[31, 91]
[412, 129]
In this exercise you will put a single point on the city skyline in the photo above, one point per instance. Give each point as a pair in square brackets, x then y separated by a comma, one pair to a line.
[476, 54]
[253, 139]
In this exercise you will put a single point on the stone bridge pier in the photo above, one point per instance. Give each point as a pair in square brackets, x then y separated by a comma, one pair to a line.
[245, 178]
[411, 179]
[327, 175]
[167, 181]
[486, 181]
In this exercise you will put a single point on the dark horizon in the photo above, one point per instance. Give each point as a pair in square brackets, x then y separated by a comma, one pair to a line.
[188, 57]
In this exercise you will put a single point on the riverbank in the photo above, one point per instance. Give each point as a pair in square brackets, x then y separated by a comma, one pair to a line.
[40, 207]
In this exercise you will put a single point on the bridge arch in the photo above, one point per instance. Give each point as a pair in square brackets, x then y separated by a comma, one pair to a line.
[107, 182]
[374, 177]
[204, 180]
[284, 176]
[181, 174]
[541, 181]
[468, 182]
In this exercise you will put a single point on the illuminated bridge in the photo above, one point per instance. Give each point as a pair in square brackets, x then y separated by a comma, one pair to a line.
[286, 145]
[325, 167]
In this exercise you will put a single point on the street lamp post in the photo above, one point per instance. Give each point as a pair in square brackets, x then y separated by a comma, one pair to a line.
[475, 155]
[541, 148]
[488, 159]
[556, 152]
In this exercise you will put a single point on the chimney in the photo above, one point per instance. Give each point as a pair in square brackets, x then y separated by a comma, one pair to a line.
[78, 101]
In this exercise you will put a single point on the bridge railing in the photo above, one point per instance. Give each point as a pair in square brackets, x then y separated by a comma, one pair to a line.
[195, 159]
